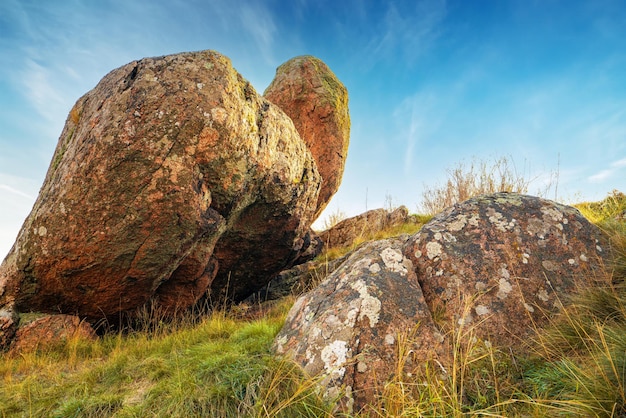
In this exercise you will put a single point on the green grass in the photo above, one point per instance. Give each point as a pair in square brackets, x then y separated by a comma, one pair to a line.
[221, 365]
[217, 367]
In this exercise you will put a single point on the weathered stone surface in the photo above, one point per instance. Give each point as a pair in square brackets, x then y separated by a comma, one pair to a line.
[171, 171]
[347, 330]
[50, 330]
[317, 102]
[494, 267]
[349, 230]
[502, 263]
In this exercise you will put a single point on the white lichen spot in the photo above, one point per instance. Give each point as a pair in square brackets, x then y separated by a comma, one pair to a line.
[465, 320]
[390, 339]
[219, 114]
[473, 220]
[482, 310]
[504, 273]
[315, 332]
[375, 268]
[550, 265]
[552, 213]
[370, 306]
[331, 323]
[200, 85]
[504, 288]
[499, 221]
[439, 272]
[584, 258]
[448, 237]
[458, 224]
[308, 314]
[543, 295]
[529, 308]
[438, 236]
[280, 343]
[433, 249]
[42, 231]
[525, 258]
[309, 355]
[361, 367]
[393, 260]
[599, 248]
[480, 286]
[332, 392]
[571, 261]
[418, 254]
[334, 357]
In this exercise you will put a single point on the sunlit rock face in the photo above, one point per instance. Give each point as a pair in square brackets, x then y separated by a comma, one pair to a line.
[317, 102]
[170, 178]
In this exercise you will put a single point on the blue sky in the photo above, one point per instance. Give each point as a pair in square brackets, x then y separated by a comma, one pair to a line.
[431, 83]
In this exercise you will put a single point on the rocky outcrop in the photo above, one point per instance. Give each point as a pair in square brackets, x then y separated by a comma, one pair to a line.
[494, 267]
[317, 102]
[502, 263]
[347, 331]
[171, 177]
[349, 230]
[50, 331]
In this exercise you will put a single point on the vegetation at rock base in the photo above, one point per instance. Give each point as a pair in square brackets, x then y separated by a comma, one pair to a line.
[221, 365]
[476, 178]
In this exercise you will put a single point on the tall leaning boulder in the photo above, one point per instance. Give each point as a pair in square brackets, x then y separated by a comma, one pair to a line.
[171, 172]
[317, 102]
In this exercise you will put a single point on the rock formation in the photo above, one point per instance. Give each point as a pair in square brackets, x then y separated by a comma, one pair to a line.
[317, 102]
[502, 262]
[496, 265]
[350, 230]
[347, 330]
[171, 177]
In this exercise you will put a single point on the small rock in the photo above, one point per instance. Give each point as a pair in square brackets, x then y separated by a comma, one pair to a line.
[349, 230]
[50, 331]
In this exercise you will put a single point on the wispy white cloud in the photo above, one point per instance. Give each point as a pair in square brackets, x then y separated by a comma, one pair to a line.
[619, 163]
[600, 176]
[614, 168]
[15, 191]
[408, 33]
[259, 23]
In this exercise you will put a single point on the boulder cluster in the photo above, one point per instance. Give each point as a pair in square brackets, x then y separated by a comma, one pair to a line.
[490, 270]
[174, 180]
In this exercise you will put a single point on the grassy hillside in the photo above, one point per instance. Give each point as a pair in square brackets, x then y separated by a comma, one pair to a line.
[222, 366]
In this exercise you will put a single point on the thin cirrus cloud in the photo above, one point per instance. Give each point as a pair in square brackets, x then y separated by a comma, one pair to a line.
[614, 168]
[14, 191]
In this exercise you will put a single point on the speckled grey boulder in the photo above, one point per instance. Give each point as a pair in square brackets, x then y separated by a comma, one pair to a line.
[503, 262]
[347, 330]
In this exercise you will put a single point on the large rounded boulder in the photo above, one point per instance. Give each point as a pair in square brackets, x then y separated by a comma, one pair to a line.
[495, 268]
[317, 102]
[502, 263]
[349, 330]
[171, 177]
